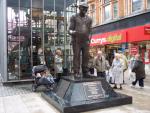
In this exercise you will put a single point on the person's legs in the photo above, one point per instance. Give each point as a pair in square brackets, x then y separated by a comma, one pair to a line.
[76, 57]
[98, 74]
[44, 81]
[115, 86]
[123, 76]
[120, 87]
[134, 82]
[103, 75]
[141, 82]
[58, 76]
[85, 59]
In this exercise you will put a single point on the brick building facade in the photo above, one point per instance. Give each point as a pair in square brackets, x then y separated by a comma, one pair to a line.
[121, 25]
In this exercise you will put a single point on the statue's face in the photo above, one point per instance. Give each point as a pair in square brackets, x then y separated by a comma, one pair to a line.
[83, 9]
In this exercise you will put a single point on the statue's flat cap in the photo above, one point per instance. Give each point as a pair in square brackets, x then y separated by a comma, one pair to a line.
[83, 5]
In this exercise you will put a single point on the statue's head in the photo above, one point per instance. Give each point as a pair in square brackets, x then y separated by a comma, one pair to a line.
[83, 7]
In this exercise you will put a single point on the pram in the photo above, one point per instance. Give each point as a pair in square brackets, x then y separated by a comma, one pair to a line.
[41, 77]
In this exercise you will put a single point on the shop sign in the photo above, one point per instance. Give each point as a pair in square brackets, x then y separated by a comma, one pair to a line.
[108, 38]
[134, 50]
[98, 41]
[147, 30]
[114, 38]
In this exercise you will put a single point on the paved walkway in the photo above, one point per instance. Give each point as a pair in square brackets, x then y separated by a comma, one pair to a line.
[20, 99]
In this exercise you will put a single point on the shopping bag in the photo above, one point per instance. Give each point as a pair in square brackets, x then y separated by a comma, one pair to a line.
[93, 72]
[109, 76]
[132, 76]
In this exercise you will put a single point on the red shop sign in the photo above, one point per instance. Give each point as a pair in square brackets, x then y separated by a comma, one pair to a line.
[108, 38]
[134, 50]
[147, 30]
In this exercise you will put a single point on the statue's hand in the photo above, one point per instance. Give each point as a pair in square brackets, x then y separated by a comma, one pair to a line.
[72, 32]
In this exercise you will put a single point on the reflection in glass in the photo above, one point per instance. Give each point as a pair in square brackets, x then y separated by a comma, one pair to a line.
[136, 5]
[106, 1]
[107, 12]
[115, 9]
[148, 3]
[34, 33]
[18, 39]
[13, 40]
[93, 14]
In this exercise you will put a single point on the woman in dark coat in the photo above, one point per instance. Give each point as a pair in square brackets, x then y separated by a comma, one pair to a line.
[139, 70]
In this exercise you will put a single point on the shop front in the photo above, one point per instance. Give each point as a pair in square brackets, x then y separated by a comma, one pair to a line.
[130, 41]
[31, 31]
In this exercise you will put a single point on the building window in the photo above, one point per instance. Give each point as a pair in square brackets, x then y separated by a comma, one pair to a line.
[148, 4]
[107, 12]
[106, 1]
[136, 5]
[115, 9]
[100, 16]
[93, 14]
[126, 8]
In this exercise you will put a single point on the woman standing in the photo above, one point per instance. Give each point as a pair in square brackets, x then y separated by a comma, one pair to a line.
[117, 71]
[58, 64]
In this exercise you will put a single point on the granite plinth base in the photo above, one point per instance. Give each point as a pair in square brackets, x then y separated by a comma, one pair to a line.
[85, 94]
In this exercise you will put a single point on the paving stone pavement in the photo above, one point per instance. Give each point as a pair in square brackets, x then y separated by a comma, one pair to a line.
[10, 91]
[20, 99]
[14, 89]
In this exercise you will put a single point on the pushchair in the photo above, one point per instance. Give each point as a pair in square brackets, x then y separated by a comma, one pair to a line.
[41, 77]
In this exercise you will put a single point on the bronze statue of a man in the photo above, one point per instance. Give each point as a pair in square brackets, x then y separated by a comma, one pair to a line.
[80, 28]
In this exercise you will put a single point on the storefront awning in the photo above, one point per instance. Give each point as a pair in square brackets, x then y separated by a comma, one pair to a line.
[133, 34]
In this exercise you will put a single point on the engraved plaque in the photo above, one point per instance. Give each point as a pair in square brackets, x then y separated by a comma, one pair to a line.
[61, 91]
[94, 90]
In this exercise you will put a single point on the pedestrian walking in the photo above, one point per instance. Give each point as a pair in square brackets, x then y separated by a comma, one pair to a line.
[139, 70]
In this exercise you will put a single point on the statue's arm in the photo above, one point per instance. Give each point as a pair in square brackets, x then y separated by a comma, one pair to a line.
[72, 26]
[90, 29]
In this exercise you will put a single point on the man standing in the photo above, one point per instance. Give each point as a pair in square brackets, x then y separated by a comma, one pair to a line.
[101, 64]
[80, 28]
